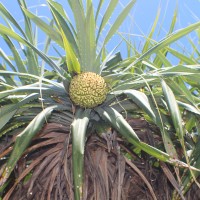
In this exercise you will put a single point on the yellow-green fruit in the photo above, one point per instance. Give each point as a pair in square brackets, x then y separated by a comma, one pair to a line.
[88, 90]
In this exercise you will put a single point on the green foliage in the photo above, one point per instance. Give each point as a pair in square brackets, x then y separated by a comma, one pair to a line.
[145, 84]
[79, 128]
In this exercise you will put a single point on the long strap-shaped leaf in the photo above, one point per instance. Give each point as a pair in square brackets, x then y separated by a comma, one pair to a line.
[20, 66]
[9, 16]
[47, 28]
[187, 179]
[121, 125]
[80, 20]
[32, 60]
[59, 15]
[109, 11]
[34, 88]
[90, 26]
[69, 42]
[174, 111]
[30, 76]
[7, 31]
[7, 60]
[158, 61]
[23, 140]
[140, 99]
[165, 42]
[116, 25]
[7, 111]
[119, 21]
[79, 127]
[176, 118]
[98, 9]
[149, 37]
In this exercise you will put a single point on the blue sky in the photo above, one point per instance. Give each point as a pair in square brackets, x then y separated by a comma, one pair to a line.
[137, 24]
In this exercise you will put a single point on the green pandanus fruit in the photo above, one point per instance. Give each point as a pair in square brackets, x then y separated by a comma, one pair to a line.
[88, 90]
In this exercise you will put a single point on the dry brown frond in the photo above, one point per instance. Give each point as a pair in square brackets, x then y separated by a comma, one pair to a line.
[45, 170]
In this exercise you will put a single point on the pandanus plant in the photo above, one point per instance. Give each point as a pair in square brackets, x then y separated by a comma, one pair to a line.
[88, 91]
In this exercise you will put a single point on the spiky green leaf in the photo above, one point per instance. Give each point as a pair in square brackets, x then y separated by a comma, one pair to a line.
[166, 41]
[79, 128]
[23, 140]
[174, 111]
